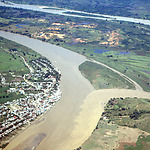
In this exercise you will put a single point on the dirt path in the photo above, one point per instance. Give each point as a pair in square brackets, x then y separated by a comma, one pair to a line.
[30, 68]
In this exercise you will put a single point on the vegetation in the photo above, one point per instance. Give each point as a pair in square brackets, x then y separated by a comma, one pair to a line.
[142, 143]
[134, 66]
[138, 9]
[12, 67]
[130, 112]
[97, 33]
[4, 96]
[121, 45]
[100, 138]
[102, 77]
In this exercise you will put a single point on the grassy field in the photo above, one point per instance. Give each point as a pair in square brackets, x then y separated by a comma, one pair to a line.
[8, 62]
[99, 139]
[134, 66]
[103, 78]
[4, 96]
[129, 112]
[142, 143]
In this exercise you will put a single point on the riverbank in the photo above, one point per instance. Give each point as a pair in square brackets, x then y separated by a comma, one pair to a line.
[120, 129]
[33, 97]
[93, 107]
[84, 122]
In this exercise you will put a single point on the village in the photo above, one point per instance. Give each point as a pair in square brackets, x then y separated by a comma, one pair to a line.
[41, 90]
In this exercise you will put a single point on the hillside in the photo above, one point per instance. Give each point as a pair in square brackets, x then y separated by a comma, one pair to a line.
[128, 8]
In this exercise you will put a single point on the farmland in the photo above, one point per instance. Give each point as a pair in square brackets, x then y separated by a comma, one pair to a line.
[102, 77]
[133, 65]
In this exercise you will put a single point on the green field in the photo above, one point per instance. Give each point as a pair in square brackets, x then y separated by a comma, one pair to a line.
[143, 143]
[12, 67]
[135, 66]
[102, 78]
[9, 62]
[4, 96]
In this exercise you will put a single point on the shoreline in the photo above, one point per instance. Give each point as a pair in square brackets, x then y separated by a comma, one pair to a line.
[91, 109]
[58, 122]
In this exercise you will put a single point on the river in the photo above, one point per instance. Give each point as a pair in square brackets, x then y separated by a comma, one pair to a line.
[74, 117]
[64, 12]
[59, 122]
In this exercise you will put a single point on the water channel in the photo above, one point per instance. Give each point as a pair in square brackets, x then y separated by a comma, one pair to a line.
[65, 12]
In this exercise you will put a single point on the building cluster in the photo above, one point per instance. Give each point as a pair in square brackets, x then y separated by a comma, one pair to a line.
[41, 89]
